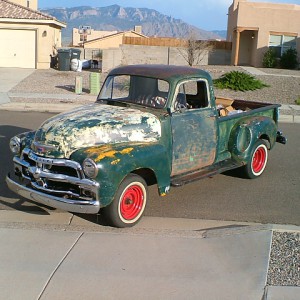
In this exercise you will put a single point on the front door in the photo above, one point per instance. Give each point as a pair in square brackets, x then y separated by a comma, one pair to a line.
[194, 131]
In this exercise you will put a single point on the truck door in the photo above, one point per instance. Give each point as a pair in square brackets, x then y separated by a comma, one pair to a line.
[194, 127]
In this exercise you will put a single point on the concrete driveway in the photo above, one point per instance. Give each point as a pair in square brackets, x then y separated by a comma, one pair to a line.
[10, 77]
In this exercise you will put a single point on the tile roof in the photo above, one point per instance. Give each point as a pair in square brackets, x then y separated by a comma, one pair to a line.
[14, 11]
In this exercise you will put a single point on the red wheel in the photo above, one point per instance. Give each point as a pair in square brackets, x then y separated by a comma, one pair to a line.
[132, 202]
[258, 160]
[129, 202]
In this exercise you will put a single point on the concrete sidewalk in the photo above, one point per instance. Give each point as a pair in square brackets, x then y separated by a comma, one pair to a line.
[62, 256]
[10, 78]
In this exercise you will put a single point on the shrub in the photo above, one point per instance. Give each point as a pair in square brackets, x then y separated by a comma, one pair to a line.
[238, 81]
[289, 59]
[297, 101]
[269, 59]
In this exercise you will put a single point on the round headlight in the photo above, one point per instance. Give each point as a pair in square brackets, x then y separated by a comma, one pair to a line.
[90, 168]
[15, 145]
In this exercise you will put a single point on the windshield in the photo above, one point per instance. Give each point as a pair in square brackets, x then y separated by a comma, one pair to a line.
[145, 91]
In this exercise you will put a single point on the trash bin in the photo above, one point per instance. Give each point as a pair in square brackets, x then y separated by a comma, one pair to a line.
[64, 59]
[75, 53]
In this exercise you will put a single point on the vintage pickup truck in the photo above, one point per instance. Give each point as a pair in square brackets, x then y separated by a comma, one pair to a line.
[151, 124]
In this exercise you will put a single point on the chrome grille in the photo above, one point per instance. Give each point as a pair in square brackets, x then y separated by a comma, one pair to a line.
[60, 177]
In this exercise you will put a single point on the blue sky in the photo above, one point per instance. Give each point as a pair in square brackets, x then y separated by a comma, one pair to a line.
[205, 14]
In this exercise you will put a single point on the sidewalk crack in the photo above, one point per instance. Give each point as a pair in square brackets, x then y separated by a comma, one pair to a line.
[57, 267]
[71, 219]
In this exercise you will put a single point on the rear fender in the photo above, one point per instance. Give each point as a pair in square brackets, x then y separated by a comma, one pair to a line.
[245, 134]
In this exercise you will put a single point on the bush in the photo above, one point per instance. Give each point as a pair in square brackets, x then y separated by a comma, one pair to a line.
[289, 59]
[238, 81]
[297, 101]
[269, 59]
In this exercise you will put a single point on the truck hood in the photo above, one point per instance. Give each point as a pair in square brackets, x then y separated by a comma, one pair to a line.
[94, 124]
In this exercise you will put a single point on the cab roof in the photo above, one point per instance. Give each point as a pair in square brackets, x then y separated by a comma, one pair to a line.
[163, 72]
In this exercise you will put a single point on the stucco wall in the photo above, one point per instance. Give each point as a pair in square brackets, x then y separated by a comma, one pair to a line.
[111, 41]
[33, 4]
[268, 18]
[135, 54]
[94, 34]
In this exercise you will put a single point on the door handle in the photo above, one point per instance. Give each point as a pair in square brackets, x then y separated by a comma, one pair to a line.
[210, 115]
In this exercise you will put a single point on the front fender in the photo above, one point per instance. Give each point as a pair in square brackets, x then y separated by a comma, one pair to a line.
[245, 134]
[116, 161]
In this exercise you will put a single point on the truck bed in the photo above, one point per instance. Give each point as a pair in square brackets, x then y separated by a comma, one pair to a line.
[230, 107]
[245, 110]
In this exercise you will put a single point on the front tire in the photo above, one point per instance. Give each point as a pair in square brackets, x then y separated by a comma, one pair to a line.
[129, 202]
[258, 160]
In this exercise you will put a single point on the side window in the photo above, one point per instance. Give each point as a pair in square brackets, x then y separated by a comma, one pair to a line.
[192, 94]
[196, 94]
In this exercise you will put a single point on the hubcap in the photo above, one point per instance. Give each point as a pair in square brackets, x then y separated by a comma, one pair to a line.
[132, 202]
[259, 160]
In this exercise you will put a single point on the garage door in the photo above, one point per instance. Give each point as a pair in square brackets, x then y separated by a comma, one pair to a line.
[17, 48]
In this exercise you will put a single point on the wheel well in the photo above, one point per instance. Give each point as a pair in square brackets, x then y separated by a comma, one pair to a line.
[147, 174]
[267, 139]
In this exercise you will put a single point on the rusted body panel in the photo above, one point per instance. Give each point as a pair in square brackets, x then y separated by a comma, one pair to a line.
[192, 131]
[118, 160]
[93, 125]
[240, 131]
[168, 142]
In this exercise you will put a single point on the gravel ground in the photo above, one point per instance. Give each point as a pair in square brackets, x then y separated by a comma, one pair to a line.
[284, 264]
[283, 89]
[52, 82]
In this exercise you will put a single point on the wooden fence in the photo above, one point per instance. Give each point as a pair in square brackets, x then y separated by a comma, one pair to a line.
[171, 42]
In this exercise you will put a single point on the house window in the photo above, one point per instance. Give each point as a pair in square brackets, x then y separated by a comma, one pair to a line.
[83, 38]
[281, 43]
[28, 3]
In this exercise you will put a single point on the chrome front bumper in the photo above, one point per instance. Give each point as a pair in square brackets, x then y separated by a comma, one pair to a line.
[71, 205]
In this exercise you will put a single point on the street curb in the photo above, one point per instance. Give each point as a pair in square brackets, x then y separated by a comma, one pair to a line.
[69, 221]
[37, 107]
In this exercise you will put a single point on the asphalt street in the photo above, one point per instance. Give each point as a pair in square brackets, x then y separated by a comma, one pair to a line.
[273, 198]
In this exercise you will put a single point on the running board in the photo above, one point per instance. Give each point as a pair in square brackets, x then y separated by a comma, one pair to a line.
[217, 168]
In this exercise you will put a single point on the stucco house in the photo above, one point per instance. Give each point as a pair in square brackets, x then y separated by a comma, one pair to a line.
[113, 40]
[28, 37]
[86, 33]
[253, 27]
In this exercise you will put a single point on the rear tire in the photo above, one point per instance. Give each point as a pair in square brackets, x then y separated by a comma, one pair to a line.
[129, 202]
[258, 160]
